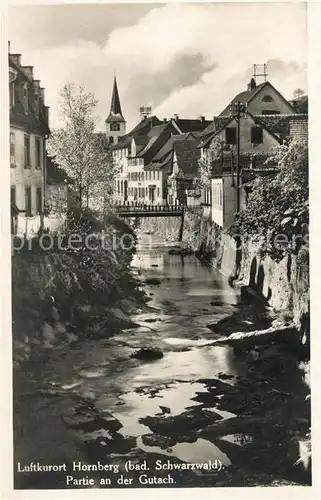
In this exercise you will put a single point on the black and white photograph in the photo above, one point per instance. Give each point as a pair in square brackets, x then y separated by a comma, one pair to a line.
[159, 218]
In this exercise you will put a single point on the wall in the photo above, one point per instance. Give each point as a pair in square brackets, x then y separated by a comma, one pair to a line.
[246, 146]
[120, 157]
[284, 284]
[22, 177]
[217, 201]
[256, 106]
[115, 134]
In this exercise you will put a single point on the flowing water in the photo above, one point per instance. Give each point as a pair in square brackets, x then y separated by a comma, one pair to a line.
[128, 401]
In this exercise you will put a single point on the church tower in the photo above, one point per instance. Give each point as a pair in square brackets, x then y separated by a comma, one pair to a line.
[115, 122]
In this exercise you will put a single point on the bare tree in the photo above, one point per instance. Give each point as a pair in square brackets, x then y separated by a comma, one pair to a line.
[80, 151]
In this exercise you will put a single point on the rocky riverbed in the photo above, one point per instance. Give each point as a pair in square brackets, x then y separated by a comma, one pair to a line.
[97, 400]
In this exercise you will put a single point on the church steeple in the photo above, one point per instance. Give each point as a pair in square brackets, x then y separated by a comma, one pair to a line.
[115, 107]
[115, 122]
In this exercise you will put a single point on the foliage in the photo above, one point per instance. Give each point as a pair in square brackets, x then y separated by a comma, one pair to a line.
[80, 151]
[205, 165]
[278, 205]
[298, 93]
[97, 274]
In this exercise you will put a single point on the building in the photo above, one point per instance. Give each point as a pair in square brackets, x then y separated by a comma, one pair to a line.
[262, 99]
[144, 158]
[184, 159]
[29, 129]
[301, 104]
[115, 122]
[269, 121]
[124, 153]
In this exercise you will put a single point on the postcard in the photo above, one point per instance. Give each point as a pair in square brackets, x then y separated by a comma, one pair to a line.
[159, 219]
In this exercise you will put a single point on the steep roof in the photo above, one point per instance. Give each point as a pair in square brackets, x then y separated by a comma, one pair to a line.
[187, 155]
[115, 114]
[168, 146]
[301, 104]
[185, 148]
[247, 96]
[154, 138]
[29, 120]
[218, 124]
[191, 124]
[140, 130]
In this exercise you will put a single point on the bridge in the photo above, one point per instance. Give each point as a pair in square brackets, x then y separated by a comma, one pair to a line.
[133, 209]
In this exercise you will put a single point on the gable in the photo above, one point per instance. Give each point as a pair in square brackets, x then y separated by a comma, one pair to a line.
[270, 139]
[264, 97]
[268, 100]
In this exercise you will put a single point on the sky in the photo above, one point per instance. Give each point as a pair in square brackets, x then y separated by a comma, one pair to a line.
[188, 59]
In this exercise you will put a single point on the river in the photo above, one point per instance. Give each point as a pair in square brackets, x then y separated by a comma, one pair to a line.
[196, 404]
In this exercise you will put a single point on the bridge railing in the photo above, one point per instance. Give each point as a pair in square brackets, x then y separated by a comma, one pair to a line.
[141, 207]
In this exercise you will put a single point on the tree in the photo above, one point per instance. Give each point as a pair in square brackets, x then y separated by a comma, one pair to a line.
[279, 204]
[80, 151]
[214, 153]
[298, 93]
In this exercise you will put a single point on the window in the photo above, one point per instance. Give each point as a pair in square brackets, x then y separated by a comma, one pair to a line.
[230, 135]
[38, 152]
[25, 98]
[13, 194]
[36, 103]
[12, 150]
[157, 192]
[256, 135]
[118, 186]
[111, 140]
[27, 151]
[270, 112]
[12, 94]
[39, 200]
[28, 200]
[267, 98]
[115, 127]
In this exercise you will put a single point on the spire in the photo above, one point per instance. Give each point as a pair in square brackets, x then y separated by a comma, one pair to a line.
[115, 108]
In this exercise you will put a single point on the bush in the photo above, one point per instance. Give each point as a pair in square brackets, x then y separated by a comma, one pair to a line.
[279, 205]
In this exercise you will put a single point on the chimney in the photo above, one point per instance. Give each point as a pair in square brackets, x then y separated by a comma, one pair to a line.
[9, 47]
[252, 85]
[165, 120]
[36, 84]
[176, 117]
[16, 58]
[202, 118]
[28, 70]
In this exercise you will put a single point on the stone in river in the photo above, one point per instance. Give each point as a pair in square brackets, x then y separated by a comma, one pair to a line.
[152, 281]
[148, 353]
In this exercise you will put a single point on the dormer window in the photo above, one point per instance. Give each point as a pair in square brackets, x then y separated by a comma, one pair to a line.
[267, 98]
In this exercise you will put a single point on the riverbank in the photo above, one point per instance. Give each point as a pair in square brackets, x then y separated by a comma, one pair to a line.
[197, 403]
[282, 284]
